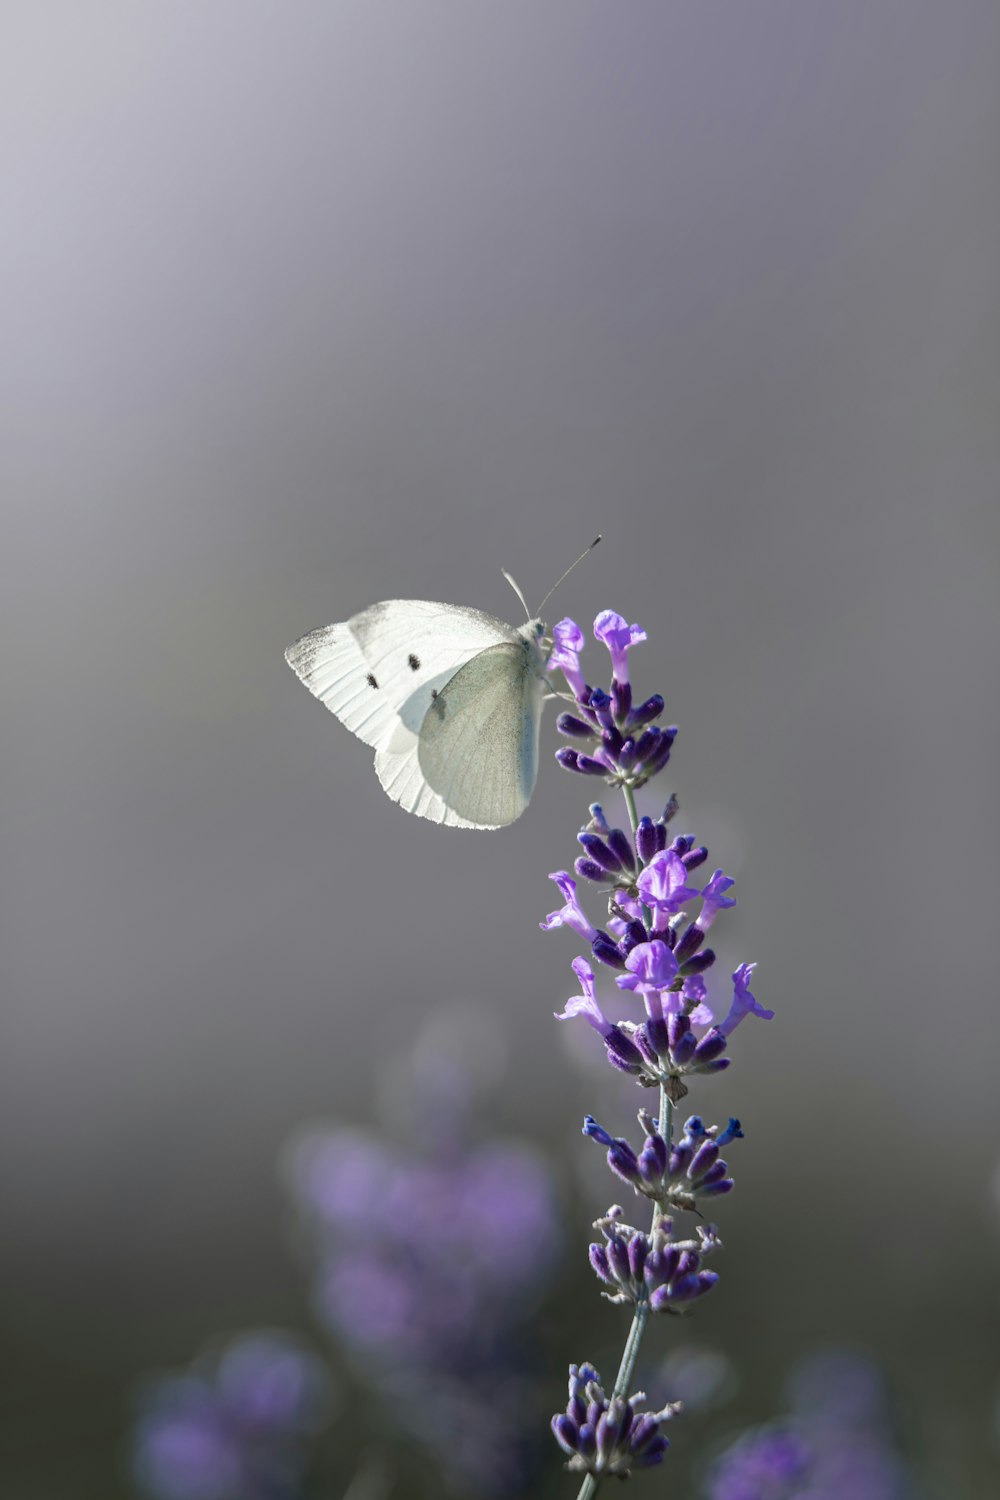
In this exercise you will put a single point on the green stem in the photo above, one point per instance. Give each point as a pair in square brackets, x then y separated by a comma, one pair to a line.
[640, 1317]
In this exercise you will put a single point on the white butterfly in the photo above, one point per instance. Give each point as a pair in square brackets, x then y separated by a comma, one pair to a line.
[450, 698]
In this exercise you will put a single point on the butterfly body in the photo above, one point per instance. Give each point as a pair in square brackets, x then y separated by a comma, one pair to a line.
[449, 697]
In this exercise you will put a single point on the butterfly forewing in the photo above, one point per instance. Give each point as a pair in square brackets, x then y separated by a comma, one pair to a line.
[383, 665]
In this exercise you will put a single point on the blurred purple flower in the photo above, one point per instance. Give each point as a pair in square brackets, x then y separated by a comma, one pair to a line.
[837, 1442]
[427, 1270]
[235, 1426]
[767, 1464]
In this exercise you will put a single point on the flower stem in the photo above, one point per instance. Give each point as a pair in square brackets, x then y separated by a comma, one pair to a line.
[630, 1353]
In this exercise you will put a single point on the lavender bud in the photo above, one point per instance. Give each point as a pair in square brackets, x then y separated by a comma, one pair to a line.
[644, 1043]
[680, 1157]
[677, 1025]
[696, 1284]
[715, 1189]
[705, 1157]
[627, 755]
[567, 1434]
[652, 1160]
[600, 706]
[659, 1037]
[689, 943]
[654, 763]
[588, 870]
[569, 724]
[598, 822]
[684, 1049]
[699, 963]
[613, 741]
[605, 950]
[695, 858]
[712, 1044]
[644, 713]
[623, 1052]
[645, 839]
[621, 699]
[637, 1252]
[617, 1251]
[621, 846]
[596, 1132]
[600, 852]
[648, 743]
[599, 1262]
[588, 766]
[633, 935]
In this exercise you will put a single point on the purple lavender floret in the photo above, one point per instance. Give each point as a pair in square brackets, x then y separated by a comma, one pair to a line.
[653, 1268]
[609, 1436]
[235, 1426]
[692, 1167]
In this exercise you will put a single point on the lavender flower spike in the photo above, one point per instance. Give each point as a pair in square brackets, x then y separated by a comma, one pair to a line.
[660, 954]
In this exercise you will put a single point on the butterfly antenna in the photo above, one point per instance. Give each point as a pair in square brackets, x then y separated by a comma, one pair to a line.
[517, 591]
[568, 571]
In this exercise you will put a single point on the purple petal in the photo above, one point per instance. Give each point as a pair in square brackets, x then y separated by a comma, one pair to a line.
[744, 1003]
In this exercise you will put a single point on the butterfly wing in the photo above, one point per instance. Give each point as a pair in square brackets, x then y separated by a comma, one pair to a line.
[474, 761]
[383, 666]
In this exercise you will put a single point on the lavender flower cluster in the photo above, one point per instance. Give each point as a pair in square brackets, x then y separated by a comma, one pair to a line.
[659, 956]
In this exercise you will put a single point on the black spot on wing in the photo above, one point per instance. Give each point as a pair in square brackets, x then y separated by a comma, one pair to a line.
[414, 662]
[371, 680]
[440, 707]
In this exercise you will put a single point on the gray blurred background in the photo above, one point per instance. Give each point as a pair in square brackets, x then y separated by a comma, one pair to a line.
[312, 304]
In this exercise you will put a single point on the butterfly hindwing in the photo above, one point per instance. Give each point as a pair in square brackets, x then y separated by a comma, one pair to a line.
[478, 743]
